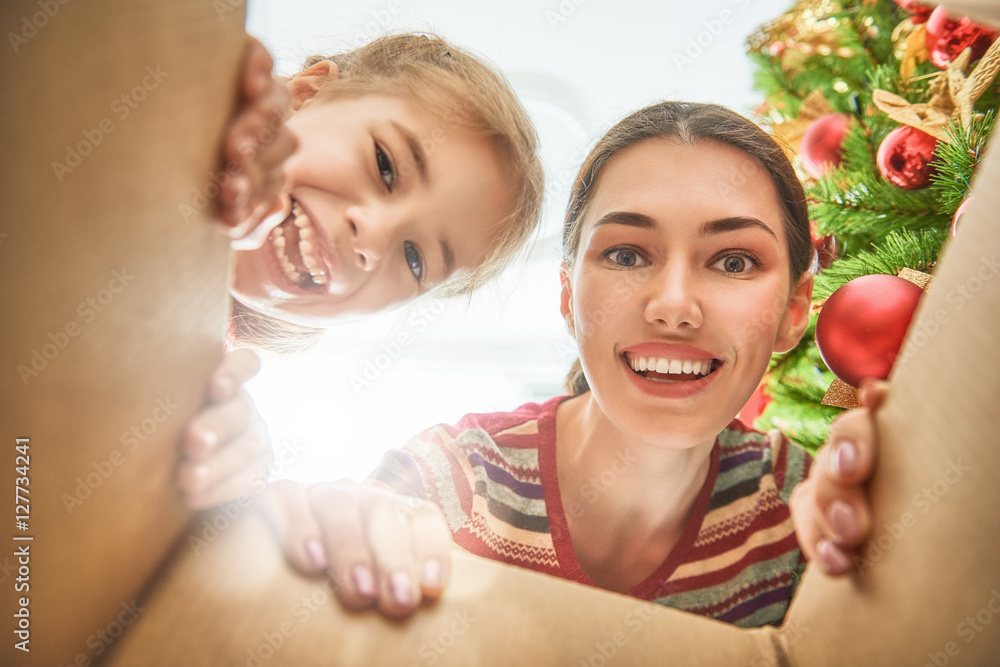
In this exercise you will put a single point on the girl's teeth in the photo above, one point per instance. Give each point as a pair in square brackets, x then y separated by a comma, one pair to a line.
[307, 249]
[688, 367]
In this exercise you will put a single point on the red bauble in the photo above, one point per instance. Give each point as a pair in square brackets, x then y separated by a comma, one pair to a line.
[904, 158]
[947, 38]
[754, 407]
[862, 326]
[824, 245]
[919, 12]
[958, 216]
[822, 143]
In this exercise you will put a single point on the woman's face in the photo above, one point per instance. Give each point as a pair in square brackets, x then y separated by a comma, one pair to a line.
[682, 268]
[387, 200]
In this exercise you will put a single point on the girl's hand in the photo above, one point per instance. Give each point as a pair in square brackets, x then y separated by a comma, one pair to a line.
[225, 448]
[381, 550]
[830, 509]
[255, 145]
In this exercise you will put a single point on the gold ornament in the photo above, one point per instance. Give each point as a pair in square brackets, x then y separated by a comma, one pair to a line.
[910, 42]
[841, 395]
[952, 96]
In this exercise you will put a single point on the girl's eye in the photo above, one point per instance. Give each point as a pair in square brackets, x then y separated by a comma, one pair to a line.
[735, 263]
[385, 168]
[414, 260]
[625, 258]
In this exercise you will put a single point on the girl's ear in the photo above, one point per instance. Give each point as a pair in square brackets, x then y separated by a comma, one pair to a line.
[566, 300]
[304, 85]
[796, 318]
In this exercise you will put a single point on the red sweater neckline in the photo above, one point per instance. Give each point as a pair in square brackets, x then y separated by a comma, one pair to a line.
[559, 529]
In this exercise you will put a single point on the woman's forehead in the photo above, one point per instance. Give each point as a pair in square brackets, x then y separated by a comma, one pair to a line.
[704, 179]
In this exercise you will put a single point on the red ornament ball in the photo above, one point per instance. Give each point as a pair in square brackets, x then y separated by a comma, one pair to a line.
[755, 405]
[825, 247]
[862, 326]
[958, 216]
[919, 12]
[822, 143]
[948, 37]
[904, 158]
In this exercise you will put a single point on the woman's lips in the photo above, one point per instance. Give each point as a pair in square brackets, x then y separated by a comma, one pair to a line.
[670, 370]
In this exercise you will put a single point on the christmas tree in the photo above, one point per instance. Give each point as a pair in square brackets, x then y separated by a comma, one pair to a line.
[886, 108]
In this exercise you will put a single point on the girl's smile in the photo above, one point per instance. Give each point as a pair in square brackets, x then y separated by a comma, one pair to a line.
[384, 200]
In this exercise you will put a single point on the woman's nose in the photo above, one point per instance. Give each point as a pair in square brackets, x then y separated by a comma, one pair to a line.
[370, 233]
[673, 299]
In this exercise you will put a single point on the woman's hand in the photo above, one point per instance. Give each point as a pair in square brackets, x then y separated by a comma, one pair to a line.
[255, 145]
[831, 509]
[381, 550]
[225, 448]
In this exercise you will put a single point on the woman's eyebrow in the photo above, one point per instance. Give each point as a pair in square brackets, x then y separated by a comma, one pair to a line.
[732, 224]
[628, 219]
[417, 157]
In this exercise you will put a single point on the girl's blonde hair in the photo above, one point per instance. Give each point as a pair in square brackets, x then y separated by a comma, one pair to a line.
[690, 122]
[467, 94]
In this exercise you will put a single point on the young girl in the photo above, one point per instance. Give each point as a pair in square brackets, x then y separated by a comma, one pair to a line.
[406, 165]
[686, 254]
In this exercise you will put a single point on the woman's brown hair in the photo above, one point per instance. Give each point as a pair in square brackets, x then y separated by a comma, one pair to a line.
[689, 122]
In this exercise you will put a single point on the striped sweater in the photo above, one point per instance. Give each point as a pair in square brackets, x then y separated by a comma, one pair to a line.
[494, 476]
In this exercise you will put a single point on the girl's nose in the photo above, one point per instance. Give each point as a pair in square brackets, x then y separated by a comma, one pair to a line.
[673, 299]
[370, 233]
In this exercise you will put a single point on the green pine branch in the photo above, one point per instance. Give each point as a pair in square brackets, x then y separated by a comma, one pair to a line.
[956, 161]
[915, 249]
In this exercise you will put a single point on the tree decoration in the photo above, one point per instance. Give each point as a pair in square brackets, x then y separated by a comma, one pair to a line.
[919, 12]
[862, 326]
[904, 158]
[947, 37]
[958, 215]
[953, 96]
[821, 145]
[869, 224]
[824, 248]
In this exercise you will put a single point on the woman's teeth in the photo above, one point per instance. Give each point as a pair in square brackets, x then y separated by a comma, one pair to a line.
[666, 366]
[304, 236]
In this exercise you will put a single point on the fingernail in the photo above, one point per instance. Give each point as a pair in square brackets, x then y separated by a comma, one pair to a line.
[402, 590]
[832, 558]
[363, 581]
[845, 458]
[242, 186]
[210, 437]
[316, 554]
[432, 573]
[840, 516]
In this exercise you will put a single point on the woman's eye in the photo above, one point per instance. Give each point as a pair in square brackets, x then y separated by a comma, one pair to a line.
[414, 260]
[625, 258]
[385, 168]
[736, 263]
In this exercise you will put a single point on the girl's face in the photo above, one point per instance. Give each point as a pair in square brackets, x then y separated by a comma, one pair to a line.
[387, 200]
[679, 292]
